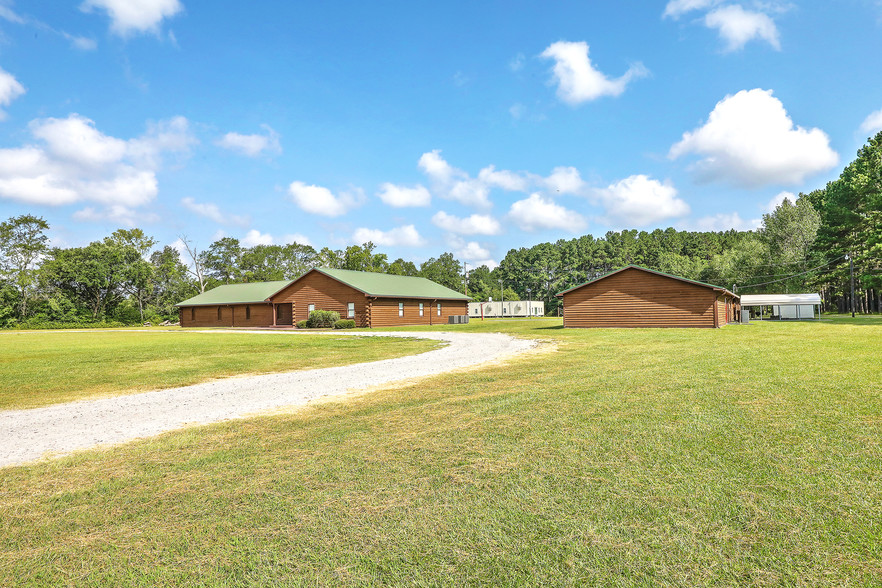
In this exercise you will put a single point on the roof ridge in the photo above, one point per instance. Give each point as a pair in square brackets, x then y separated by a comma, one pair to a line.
[371, 284]
[652, 271]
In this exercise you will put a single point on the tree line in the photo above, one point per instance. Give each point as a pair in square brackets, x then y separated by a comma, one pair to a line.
[803, 246]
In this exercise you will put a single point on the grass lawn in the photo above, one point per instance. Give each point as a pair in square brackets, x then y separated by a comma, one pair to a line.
[748, 455]
[45, 367]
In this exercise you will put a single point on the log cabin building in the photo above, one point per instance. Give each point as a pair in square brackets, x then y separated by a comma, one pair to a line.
[371, 299]
[638, 297]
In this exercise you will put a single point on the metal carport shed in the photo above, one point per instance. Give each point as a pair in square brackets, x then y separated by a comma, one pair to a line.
[785, 306]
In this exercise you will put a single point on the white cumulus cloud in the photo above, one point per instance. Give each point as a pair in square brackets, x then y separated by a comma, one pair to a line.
[134, 16]
[453, 183]
[163, 137]
[738, 26]
[72, 161]
[578, 80]
[212, 212]
[476, 224]
[470, 192]
[405, 236]
[319, 200]
[252, 145]
[436, 167]
[538, 212]
[517, 110]
[873, 122]
[298, 238]
[456, 184]
[517, 62]
[735, 24]
[503, 179]
[116, 214]
[750, 140]
[722, 222]
[76, 140]
[10, 89]
[676, 8]
[81, 43]
[778, 199]
[565, 180]
[403, 196]
[255, 237]
[640, 200]
[473, 252]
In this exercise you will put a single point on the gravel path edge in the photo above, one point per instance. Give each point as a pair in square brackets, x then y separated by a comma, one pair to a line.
[52, 431]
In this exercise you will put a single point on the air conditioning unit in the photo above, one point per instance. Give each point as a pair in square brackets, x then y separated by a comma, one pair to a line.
[458, 319]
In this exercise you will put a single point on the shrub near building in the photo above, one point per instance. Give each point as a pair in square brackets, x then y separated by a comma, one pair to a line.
[325, 319]
[322, 319]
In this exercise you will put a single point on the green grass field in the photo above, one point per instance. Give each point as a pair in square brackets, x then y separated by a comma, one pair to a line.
[46, 367]
[746, 456]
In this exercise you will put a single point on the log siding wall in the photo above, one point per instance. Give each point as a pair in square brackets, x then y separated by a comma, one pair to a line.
[722, 317]
[231, 316]
[384, 311]
[635, 298]
[327, 294]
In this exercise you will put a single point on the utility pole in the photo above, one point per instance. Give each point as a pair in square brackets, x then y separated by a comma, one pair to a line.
[465, 278]
[529, 304]
[851, 274]
[502, 299]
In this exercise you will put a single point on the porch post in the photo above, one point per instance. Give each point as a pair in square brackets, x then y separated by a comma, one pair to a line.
[274, 314]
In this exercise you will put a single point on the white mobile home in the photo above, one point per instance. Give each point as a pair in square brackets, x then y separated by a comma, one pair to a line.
[509, 308]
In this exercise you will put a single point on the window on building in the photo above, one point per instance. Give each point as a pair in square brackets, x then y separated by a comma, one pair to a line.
[439, 309]
[247, 313]
[220, 314]
[192, 313]
[350, 310]
[310, 308]
[400, 309]
[421, 309]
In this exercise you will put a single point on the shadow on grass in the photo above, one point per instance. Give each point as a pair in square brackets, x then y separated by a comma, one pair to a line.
[866, 320]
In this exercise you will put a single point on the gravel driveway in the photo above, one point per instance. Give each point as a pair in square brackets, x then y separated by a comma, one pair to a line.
[28, 435]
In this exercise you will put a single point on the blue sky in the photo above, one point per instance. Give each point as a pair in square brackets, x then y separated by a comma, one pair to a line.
[458, 126]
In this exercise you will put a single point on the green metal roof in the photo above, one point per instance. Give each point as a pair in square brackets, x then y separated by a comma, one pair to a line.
[252, 293]
[389, 286]
[646, 269]
[371, 283]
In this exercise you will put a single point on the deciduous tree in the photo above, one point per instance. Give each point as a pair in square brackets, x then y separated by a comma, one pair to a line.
[23, 242]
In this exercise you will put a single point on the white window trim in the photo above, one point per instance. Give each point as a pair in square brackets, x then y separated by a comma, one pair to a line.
[439, 309]
[350, 310]
[421, 309]
[400, 309]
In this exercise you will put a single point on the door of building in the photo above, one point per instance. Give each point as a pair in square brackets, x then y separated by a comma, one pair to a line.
[284, 314]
